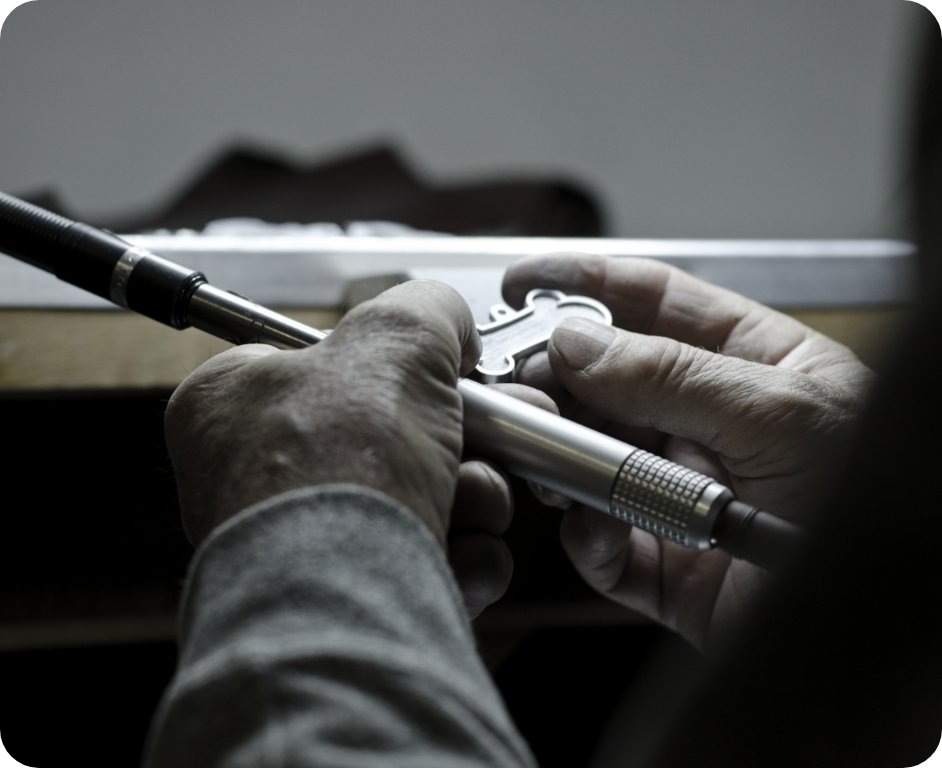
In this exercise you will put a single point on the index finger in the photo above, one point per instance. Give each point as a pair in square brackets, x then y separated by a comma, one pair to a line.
[651, 297]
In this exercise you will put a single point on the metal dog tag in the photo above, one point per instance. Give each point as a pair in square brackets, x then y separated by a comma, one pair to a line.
[515, 334]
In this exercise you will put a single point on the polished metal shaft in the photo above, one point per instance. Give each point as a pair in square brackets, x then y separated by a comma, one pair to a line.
[591, 468]
[586, 466]
[236, 319]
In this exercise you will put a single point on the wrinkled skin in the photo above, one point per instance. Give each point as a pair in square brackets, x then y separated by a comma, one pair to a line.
[708, 379]
[374, 404]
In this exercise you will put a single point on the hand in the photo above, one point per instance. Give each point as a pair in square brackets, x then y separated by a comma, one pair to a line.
[706, 378]
[477, 553]
[373, 404]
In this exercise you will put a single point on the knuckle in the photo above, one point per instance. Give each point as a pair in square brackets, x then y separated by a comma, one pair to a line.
[408, 322]
[681, 365]
[662, 365]
[381, 316]
[800, 414]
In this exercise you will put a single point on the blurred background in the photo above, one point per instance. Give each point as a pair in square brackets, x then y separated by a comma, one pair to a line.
[622, 118]
[733, 118]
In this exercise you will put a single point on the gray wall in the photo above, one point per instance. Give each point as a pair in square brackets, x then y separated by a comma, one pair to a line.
[690, 118]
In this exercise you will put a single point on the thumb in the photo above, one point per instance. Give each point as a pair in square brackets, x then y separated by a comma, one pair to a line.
[724, 403]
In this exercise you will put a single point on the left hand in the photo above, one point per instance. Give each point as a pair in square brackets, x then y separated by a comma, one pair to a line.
[704, 377]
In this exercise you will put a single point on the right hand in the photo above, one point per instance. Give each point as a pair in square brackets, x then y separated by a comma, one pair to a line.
[374, 404]
[704, 377]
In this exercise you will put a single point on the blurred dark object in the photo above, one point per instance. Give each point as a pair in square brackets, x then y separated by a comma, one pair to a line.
[373, 184]
[841, 664]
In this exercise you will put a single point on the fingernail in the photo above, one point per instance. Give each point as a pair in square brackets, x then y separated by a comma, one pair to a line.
[581, 342]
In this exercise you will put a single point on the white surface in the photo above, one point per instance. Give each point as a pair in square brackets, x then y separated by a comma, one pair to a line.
[317, 271]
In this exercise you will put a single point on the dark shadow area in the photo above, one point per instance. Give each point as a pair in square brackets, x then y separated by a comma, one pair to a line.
[96, 548]
[82, 706]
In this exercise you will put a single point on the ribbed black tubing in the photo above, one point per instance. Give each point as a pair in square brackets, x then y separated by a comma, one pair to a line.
[73, 252]
[31, 233]
[85, 256]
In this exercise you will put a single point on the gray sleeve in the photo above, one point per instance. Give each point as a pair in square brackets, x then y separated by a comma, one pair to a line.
[324, 628]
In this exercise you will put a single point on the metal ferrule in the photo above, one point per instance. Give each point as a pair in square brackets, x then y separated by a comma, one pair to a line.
[232, 317]
[122, 273]
[145, 282]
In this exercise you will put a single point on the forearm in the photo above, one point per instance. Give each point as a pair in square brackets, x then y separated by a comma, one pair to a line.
[324, 628]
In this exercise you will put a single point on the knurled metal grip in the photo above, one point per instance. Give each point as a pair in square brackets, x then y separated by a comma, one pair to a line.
[668, 500]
